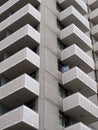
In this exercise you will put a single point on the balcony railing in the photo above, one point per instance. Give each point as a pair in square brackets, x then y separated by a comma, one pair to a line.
[73, 35]
[74, 56]
[18, 91]
[76, 80]
[78, 4]
[20, 118]
[80, 108]
[71, 15]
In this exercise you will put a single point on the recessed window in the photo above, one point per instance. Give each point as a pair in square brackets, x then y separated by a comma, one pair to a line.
[59, 25]
[3, 80]
[62, 91]
[6, 55]
[33, 74]
[58, 7]
[31, 104]
[8, 32]
[61, 45]
[63, 68]
[63, 119]
[10, 13]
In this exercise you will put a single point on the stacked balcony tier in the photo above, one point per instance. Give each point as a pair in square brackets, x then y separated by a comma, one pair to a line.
[80, 108]
[73, 35]
[26, 15]
[76, 80]
[95, 47]
[18, 91]
[71, 15]
[74, 56]
[24, 61]
[94, 16]
[95, 31]
[78, 126]
[14, 5]
[78, 4]
[3, 2]
[24, 37]
[21, 118]
[93, 4]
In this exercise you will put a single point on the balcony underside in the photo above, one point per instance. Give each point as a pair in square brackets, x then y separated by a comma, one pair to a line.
[71, 15]
[73, 35]
[21, 118]
[80, 108]
[76, 80]
[24, 37]
[94, 16]
[74, 56]
[24, 61]
[79, 5]
[26, 15]
[78, 126]
[93, 4]
[19, 91]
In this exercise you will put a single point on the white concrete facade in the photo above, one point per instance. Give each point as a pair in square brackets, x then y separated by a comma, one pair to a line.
[48, 64]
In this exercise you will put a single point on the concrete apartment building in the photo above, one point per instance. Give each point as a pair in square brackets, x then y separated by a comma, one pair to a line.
[48, 64]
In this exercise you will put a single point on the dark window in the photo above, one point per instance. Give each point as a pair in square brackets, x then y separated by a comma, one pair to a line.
[63, 68]
[59, 25]
[61, 45]
[31, 104]
[63, 119]
[58, 7]
[62, 91]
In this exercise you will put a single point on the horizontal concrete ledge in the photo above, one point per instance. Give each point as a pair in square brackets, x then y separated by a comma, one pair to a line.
[3, 2]
[71, 15]
[93, 4]
[80, 108]
[19, 118]
[76, 80]
[26, 15]
[95, 47]
[10, 4]
[94, 31]
[74, 56]
[73, 35]
[24, 61]
[96, 65]
[19, 91]
[28, 9]
[94, 16]
[78, 4]
[26, 36]
[78, 126]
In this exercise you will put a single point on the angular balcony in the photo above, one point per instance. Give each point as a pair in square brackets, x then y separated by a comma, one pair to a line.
[15, 5]
[96, 65]
[76, 80]
[93, 4]
[3, 2]
[24, 61]
[26, 15]
[95, 47]
[80, 108]
[78, 4]
[20, 118]
[73, 35]
[94, 31]
[19, 91]
[24, 37]
[74, 56]
[71, 15]
[94, 16]
[78, 126]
